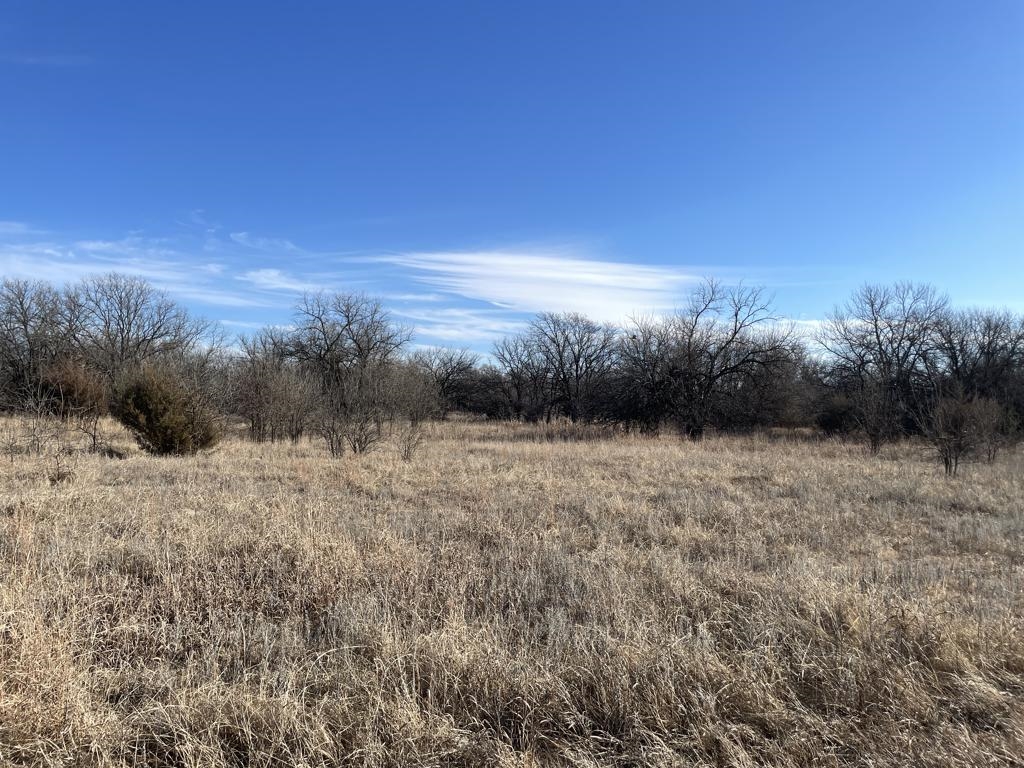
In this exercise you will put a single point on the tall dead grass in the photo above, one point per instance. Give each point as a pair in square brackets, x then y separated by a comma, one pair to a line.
[508, 601]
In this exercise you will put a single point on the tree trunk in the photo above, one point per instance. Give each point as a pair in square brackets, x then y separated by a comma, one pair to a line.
[694, 431]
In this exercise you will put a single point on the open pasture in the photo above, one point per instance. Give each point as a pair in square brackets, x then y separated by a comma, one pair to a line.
[512, 598]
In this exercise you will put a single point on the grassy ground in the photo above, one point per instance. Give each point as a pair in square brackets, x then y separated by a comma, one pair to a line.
[506, 600]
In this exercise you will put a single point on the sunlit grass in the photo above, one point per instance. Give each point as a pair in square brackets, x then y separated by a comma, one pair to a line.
[516, 595]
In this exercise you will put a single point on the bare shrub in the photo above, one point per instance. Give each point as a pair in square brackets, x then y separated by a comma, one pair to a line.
[410, 438]
[353, 412]
[62, 461]
[10, 438]
[81, 396]
[269, 391]
[417, 399]
[959, 427]
[997, 428]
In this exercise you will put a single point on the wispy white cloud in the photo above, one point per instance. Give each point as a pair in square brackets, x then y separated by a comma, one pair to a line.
[197, 219]
[150, 259]
[248, 325]
[533, 280]
[196, 267]
[278, 280]
[461, 325]
[218, 298]
[61, 263]
[415, 297]
[273, 244]
[8, 228]
[449, 297]
[806, 327]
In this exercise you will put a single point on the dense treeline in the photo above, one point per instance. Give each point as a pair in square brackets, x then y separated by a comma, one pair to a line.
[892, 361]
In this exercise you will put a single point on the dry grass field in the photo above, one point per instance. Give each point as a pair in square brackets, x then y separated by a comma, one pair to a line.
[507, 600]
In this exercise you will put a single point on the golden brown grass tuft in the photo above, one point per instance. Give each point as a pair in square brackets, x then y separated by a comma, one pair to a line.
[513, 598]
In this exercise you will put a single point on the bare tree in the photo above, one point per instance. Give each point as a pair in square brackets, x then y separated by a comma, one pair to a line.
[203, 371]
[269, 390]
[977, 351]
[780, 393]
[643, 373]
[127, 322]
[578, 354]
[689, 368]
[880, 343]
[349, 342]
[488, 394]
[724, 334]
[36, 331]
[451, 371]
[525, 379]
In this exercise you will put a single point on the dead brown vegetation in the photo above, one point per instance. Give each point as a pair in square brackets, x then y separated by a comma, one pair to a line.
[506, 601]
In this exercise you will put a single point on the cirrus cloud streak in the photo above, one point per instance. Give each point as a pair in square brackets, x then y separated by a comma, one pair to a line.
[549, 280]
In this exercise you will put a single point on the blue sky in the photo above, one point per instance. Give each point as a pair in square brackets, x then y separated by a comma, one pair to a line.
[475, 162]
